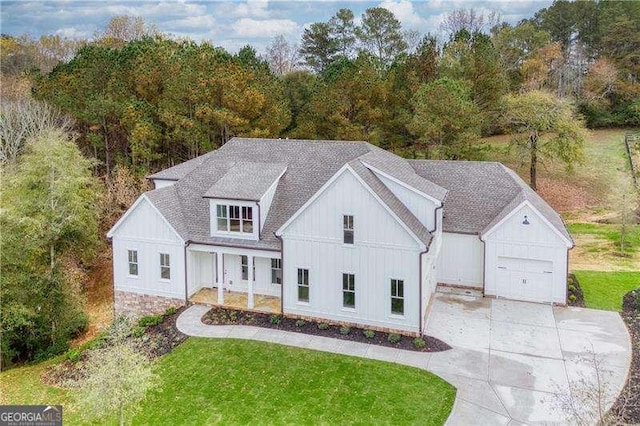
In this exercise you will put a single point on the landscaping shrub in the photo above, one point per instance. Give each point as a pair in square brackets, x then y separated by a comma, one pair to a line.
[73, 355]
[369, 334]
[572, 297]
[300, 323]
[344, 330]
[172, 310]
[419, 343]
[150, 320]
[137, 331]
[275, 319]
[323, 326]
[394, 338]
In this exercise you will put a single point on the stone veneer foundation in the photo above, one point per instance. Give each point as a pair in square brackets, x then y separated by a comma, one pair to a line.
[136, 305]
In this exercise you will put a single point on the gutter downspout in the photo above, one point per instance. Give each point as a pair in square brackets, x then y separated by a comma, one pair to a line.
[431, 231]
[282, 270]
[186, 285]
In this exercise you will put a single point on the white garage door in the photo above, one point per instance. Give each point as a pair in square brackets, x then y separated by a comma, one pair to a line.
[525, 279]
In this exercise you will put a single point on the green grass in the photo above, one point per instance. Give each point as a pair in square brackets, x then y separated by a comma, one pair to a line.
[610, 233]
[605, 290]
[235, 381]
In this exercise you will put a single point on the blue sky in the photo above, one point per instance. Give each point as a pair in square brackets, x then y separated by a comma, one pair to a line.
[232, 24]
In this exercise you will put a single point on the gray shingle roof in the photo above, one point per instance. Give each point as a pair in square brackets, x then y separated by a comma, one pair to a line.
[246, 181]
[481, 194]
[310, 164]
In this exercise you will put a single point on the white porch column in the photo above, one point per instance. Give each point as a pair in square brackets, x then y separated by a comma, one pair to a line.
[250, 292]
[220, 281]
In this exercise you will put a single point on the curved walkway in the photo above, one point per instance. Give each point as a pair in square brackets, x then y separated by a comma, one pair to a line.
[510, 361]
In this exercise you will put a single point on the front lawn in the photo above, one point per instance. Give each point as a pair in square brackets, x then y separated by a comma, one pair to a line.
[240, 382]
[604, 290]
[245, 382]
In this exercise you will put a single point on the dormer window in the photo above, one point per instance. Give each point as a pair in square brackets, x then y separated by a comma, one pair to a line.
[347, 236]
[232, 218]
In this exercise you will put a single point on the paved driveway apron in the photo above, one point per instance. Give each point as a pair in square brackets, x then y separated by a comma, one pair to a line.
[510, 360]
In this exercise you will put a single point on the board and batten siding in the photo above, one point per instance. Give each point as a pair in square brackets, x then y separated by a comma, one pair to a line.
[146, 231]
[383, 250]
[536, 241]
[161, 183]
[421, 207]
[461, 260]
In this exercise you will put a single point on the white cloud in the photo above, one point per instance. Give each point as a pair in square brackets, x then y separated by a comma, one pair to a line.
[404, 11]
[190, 23]
[266, 28]
[75, 32]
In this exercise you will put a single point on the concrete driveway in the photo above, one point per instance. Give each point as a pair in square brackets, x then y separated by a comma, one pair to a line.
[513, 362]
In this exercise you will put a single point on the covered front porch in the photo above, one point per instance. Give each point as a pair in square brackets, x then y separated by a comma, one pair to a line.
[234, 277]
[237, 300]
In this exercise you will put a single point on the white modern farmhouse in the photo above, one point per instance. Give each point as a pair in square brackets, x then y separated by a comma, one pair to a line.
[337, 230]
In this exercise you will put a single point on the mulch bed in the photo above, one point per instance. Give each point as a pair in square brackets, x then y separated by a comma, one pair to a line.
[157, 340]
[627, 406]
[227, 316]
[575, 296]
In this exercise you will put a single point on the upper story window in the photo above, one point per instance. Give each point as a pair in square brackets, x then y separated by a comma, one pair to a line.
[133, 262]
[165, 266]
[276, 271]
[234, 218]
[347, 221]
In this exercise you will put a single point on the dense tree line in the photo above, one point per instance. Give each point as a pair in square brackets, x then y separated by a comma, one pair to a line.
[137, 101]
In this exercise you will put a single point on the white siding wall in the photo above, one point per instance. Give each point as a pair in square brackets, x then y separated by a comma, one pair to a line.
[262, 283]
[461, 260]
[213, 217]
[202, 270]
[383, 250]
[161, 183]
[534, 241]
[265, 202]
[421, 207]
[145, 231]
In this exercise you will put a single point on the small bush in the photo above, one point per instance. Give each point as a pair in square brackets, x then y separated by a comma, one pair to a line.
[73, 355]
[572, 288]
[344, 330]
[171, 310]
[393, 338]
[369, 334]
[419, 343]
[300, 323]
[138, 331]
[275, 319]
[572, 297]
[323, 326]
[150, 320]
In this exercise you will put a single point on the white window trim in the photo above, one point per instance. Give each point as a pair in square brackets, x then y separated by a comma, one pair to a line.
[165, 266]
[298, 301]
[241, 218]
[276, 269]
[404, 305]
[129, 264]
[247, 265]
[352, 229]
[355, 298]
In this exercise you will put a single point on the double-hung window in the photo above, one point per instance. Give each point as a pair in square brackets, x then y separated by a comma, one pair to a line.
[165, 266]
[303, 285]
[347, 235]
[397, 297]
[349, 290]
[234, 218]
[244, 260]
[133, 262]
[223, 218]
[276, 271]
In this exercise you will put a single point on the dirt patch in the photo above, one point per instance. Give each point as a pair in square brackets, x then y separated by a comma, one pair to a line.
[627, 406]
[226, 316]
[99, 293]
[156, 341]
[565, 196]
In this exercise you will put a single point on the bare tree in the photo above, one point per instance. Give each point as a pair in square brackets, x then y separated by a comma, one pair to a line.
[123, 29]
[468, 19]
[24, 119]
[282, 56]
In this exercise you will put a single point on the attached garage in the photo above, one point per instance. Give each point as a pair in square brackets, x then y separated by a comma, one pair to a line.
[526, 257]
